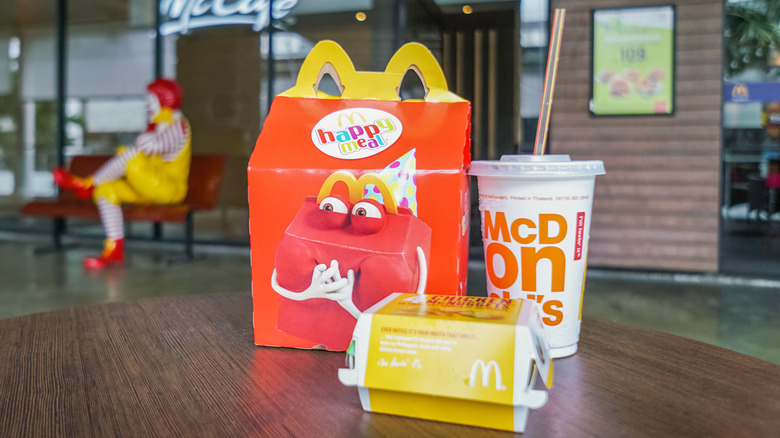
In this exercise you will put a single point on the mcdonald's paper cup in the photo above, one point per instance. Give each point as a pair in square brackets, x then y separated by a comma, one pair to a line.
[535, 212]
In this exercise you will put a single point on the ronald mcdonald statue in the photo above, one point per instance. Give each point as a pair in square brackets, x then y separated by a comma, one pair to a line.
[152, 171]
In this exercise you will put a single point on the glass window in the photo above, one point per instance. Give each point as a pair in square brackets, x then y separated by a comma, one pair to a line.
[750, 242]
[27, 121]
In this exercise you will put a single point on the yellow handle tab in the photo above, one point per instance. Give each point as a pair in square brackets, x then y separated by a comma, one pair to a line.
[417, 58]
[327, 57]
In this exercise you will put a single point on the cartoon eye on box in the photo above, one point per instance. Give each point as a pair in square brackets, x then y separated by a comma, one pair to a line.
[341, 255]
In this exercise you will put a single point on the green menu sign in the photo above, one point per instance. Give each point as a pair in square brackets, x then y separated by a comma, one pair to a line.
[633, 61]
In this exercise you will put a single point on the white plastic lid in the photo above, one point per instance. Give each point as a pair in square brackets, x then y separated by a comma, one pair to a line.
[537, 166]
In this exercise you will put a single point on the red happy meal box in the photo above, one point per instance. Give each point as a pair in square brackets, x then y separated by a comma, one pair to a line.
[354, 197]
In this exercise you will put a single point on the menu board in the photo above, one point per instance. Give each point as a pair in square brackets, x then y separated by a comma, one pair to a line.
[632, 64]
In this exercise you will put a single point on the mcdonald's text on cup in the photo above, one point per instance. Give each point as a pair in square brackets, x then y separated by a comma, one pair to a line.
[526, 231]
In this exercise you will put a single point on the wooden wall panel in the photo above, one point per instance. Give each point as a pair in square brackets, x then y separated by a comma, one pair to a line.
[657, 206]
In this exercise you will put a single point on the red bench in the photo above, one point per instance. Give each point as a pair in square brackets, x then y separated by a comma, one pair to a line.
[206, 172]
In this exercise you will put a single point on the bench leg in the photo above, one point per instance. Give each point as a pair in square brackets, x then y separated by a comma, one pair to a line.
[189, 235]
[57, 232]
[157, 231]
[189, 256]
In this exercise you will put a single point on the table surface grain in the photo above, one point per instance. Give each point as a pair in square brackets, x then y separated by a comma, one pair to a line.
[187, 366]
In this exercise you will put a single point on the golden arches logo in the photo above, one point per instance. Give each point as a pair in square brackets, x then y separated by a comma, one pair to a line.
[740, 90]
[485, 369]
[350, 118]
[356, 187]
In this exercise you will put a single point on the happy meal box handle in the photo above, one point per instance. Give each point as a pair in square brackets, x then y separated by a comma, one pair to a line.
[417, 58]
[328, 69]
[327, 57]
[420, 60]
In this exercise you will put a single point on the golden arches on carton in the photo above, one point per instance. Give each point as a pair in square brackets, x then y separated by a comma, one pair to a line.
[350, 118]
[387, 196]
[343, 176]
[356, 187]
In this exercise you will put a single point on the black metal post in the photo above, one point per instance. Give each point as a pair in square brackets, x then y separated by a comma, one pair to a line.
[62, 70]
[62, 24]
[399, 24]
[271, 65]
[157, 231]
[158, 42]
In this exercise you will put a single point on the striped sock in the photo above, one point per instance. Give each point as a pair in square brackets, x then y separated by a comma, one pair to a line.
[111, 216]
[115, 167]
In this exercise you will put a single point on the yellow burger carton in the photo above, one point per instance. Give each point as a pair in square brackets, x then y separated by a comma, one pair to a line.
[458, 359]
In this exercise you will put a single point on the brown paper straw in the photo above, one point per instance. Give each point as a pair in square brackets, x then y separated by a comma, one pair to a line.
[549, 81]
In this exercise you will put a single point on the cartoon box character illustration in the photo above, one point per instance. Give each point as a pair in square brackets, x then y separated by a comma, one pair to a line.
[356, 196]
[343, 254]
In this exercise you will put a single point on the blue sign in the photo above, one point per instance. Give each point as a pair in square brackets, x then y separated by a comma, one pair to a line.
[745, 92]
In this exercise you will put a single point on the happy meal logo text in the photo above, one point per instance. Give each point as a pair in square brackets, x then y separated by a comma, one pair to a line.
[356, 133]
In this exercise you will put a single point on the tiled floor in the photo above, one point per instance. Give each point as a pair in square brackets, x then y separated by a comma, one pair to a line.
[737, 314]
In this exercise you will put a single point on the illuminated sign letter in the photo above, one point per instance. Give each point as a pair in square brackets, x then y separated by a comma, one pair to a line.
[190, 14]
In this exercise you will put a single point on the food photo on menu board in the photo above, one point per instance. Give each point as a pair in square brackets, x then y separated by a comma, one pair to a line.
[633, 61]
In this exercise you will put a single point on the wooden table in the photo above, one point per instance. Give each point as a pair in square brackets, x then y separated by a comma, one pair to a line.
[187, 366]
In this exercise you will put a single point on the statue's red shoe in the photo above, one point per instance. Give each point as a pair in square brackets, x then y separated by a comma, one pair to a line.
[114, 253]
[83, 187]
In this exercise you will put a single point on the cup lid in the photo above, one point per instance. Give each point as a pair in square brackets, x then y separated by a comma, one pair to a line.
[537, 166]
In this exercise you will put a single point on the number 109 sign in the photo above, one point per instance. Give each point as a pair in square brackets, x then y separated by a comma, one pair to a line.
[633, 61]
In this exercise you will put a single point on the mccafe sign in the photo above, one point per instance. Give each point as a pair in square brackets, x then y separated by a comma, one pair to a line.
[190, 14]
